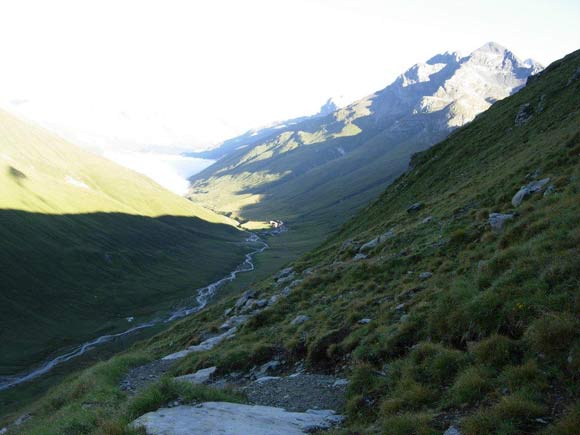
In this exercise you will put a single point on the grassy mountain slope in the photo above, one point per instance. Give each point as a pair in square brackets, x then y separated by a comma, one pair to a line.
[489, 342]
[41, 172]
[86, 243]
[318, 173]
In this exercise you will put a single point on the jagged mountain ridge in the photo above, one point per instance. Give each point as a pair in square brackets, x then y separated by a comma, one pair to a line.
[257, 134]
[298, 173]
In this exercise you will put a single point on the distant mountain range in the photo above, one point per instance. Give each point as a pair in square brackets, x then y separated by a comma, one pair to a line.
[317, 171]
[259, 134]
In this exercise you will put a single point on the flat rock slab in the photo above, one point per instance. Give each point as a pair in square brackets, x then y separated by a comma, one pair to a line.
[208, 344]
[200, 377]
[233, 419]
[298, 392]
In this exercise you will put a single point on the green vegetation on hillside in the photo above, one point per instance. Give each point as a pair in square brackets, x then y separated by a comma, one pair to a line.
[86, 244]
[463, 325]
[314, 175]
[318, 173]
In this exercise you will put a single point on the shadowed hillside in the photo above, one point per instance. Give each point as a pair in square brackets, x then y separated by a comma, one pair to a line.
[67, 278]
[85, 243]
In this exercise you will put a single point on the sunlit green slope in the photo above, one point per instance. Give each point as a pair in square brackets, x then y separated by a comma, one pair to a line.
[40, 172]
[85, 243]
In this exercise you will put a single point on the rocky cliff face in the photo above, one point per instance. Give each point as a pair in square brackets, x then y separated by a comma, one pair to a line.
[459, 88]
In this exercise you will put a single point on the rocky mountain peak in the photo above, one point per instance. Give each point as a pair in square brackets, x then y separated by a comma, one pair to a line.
[491, 47]
[494, 56]
[331, 105]
[328, 107]
[447, 57]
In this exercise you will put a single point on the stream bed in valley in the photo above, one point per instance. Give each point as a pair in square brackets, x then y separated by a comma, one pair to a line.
[188, 307]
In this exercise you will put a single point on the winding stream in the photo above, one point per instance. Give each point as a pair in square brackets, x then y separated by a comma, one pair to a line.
[202, 297]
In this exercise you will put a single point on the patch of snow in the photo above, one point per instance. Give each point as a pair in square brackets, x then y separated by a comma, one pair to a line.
[76, 182]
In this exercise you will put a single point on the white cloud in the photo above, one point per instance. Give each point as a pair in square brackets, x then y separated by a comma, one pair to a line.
[169, 170]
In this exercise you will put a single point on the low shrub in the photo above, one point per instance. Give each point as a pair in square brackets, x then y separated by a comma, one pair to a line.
[470, 386]
[552, 334]
[496, 351]
[406, 424]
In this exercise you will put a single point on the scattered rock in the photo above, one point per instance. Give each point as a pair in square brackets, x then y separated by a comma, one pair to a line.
[360, 256]
[524, 114]
[497, 220]
[340, 383]
[248, 306]
[425, 275]
[400, 307]
[452, 430]
[574, 77]
[534, 175]
[364, 321]
[144, 375]
[527, 190]
[233, 419]
[377, 241]
[299, 392]
[286, 291]
[200, 377]
[266, 379]
[415, 207]
[18, 422]
[267, 369]
[286, 278]
[234, 321]
[299, 320]
[248, 294]
[273, 299]
[427, 220]
[285, 272]
[295, 283]
[541, 103]
[308, 271]
[208, 344]
[348, 245]
[551, 189]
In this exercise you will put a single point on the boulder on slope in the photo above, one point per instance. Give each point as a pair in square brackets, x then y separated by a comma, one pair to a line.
[234, 419]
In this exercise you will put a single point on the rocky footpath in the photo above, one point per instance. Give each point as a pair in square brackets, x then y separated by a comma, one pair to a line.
[281, 399]
[298, 392]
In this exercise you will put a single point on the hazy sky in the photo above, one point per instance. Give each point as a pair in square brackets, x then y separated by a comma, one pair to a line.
[188, 73]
